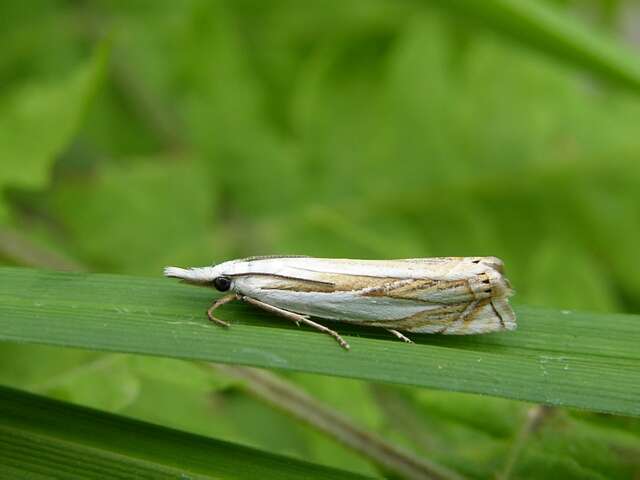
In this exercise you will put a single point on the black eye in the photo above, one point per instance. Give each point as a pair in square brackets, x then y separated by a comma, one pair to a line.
[222, 283]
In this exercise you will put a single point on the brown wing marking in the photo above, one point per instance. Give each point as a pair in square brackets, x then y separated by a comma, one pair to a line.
[465, 317]
[292, 283]
[391, 287]
[502, 324]
[470, 314]
[301, 285]
[443, 314]
[329, 283]
[417, 289]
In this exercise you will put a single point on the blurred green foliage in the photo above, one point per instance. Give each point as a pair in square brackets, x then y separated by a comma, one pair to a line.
[153, 133]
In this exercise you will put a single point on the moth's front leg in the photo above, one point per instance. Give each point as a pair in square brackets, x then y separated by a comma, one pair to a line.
[221, 301]
[296, 317]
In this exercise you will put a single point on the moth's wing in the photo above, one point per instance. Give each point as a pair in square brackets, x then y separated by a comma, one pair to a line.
[448, 295]
[436, 280]
[419, 289]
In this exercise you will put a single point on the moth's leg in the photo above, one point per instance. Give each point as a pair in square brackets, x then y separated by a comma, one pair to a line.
[399, 335]
[297, 318]
[218, 303]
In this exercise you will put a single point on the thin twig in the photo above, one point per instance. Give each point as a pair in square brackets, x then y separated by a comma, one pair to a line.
[536, 415]
[289, 398]
[401, 417]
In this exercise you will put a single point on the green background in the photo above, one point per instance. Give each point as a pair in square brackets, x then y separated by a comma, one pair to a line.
[145, 134]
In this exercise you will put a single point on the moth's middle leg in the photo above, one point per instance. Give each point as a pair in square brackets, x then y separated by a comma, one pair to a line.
[399, 335]
[296, 317]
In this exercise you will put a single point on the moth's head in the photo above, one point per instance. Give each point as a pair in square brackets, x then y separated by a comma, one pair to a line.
[204, 276]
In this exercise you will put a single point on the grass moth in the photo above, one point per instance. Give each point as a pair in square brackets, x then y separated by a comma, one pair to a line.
[448, 295]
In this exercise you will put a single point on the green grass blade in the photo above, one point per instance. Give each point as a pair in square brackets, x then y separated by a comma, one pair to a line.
[583, 360]
[43, 438]
[545, 28]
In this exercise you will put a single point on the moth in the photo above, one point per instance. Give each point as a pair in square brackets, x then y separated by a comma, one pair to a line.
[448, 295]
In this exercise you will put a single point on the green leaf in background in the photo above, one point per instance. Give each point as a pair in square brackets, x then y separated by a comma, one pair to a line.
[544, 27]
[38, 121]
[578, 279]
[44, 438]
[556, 357]
[168, 204]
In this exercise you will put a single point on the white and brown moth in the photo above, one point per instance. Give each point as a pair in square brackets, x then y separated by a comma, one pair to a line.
[449, 295]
